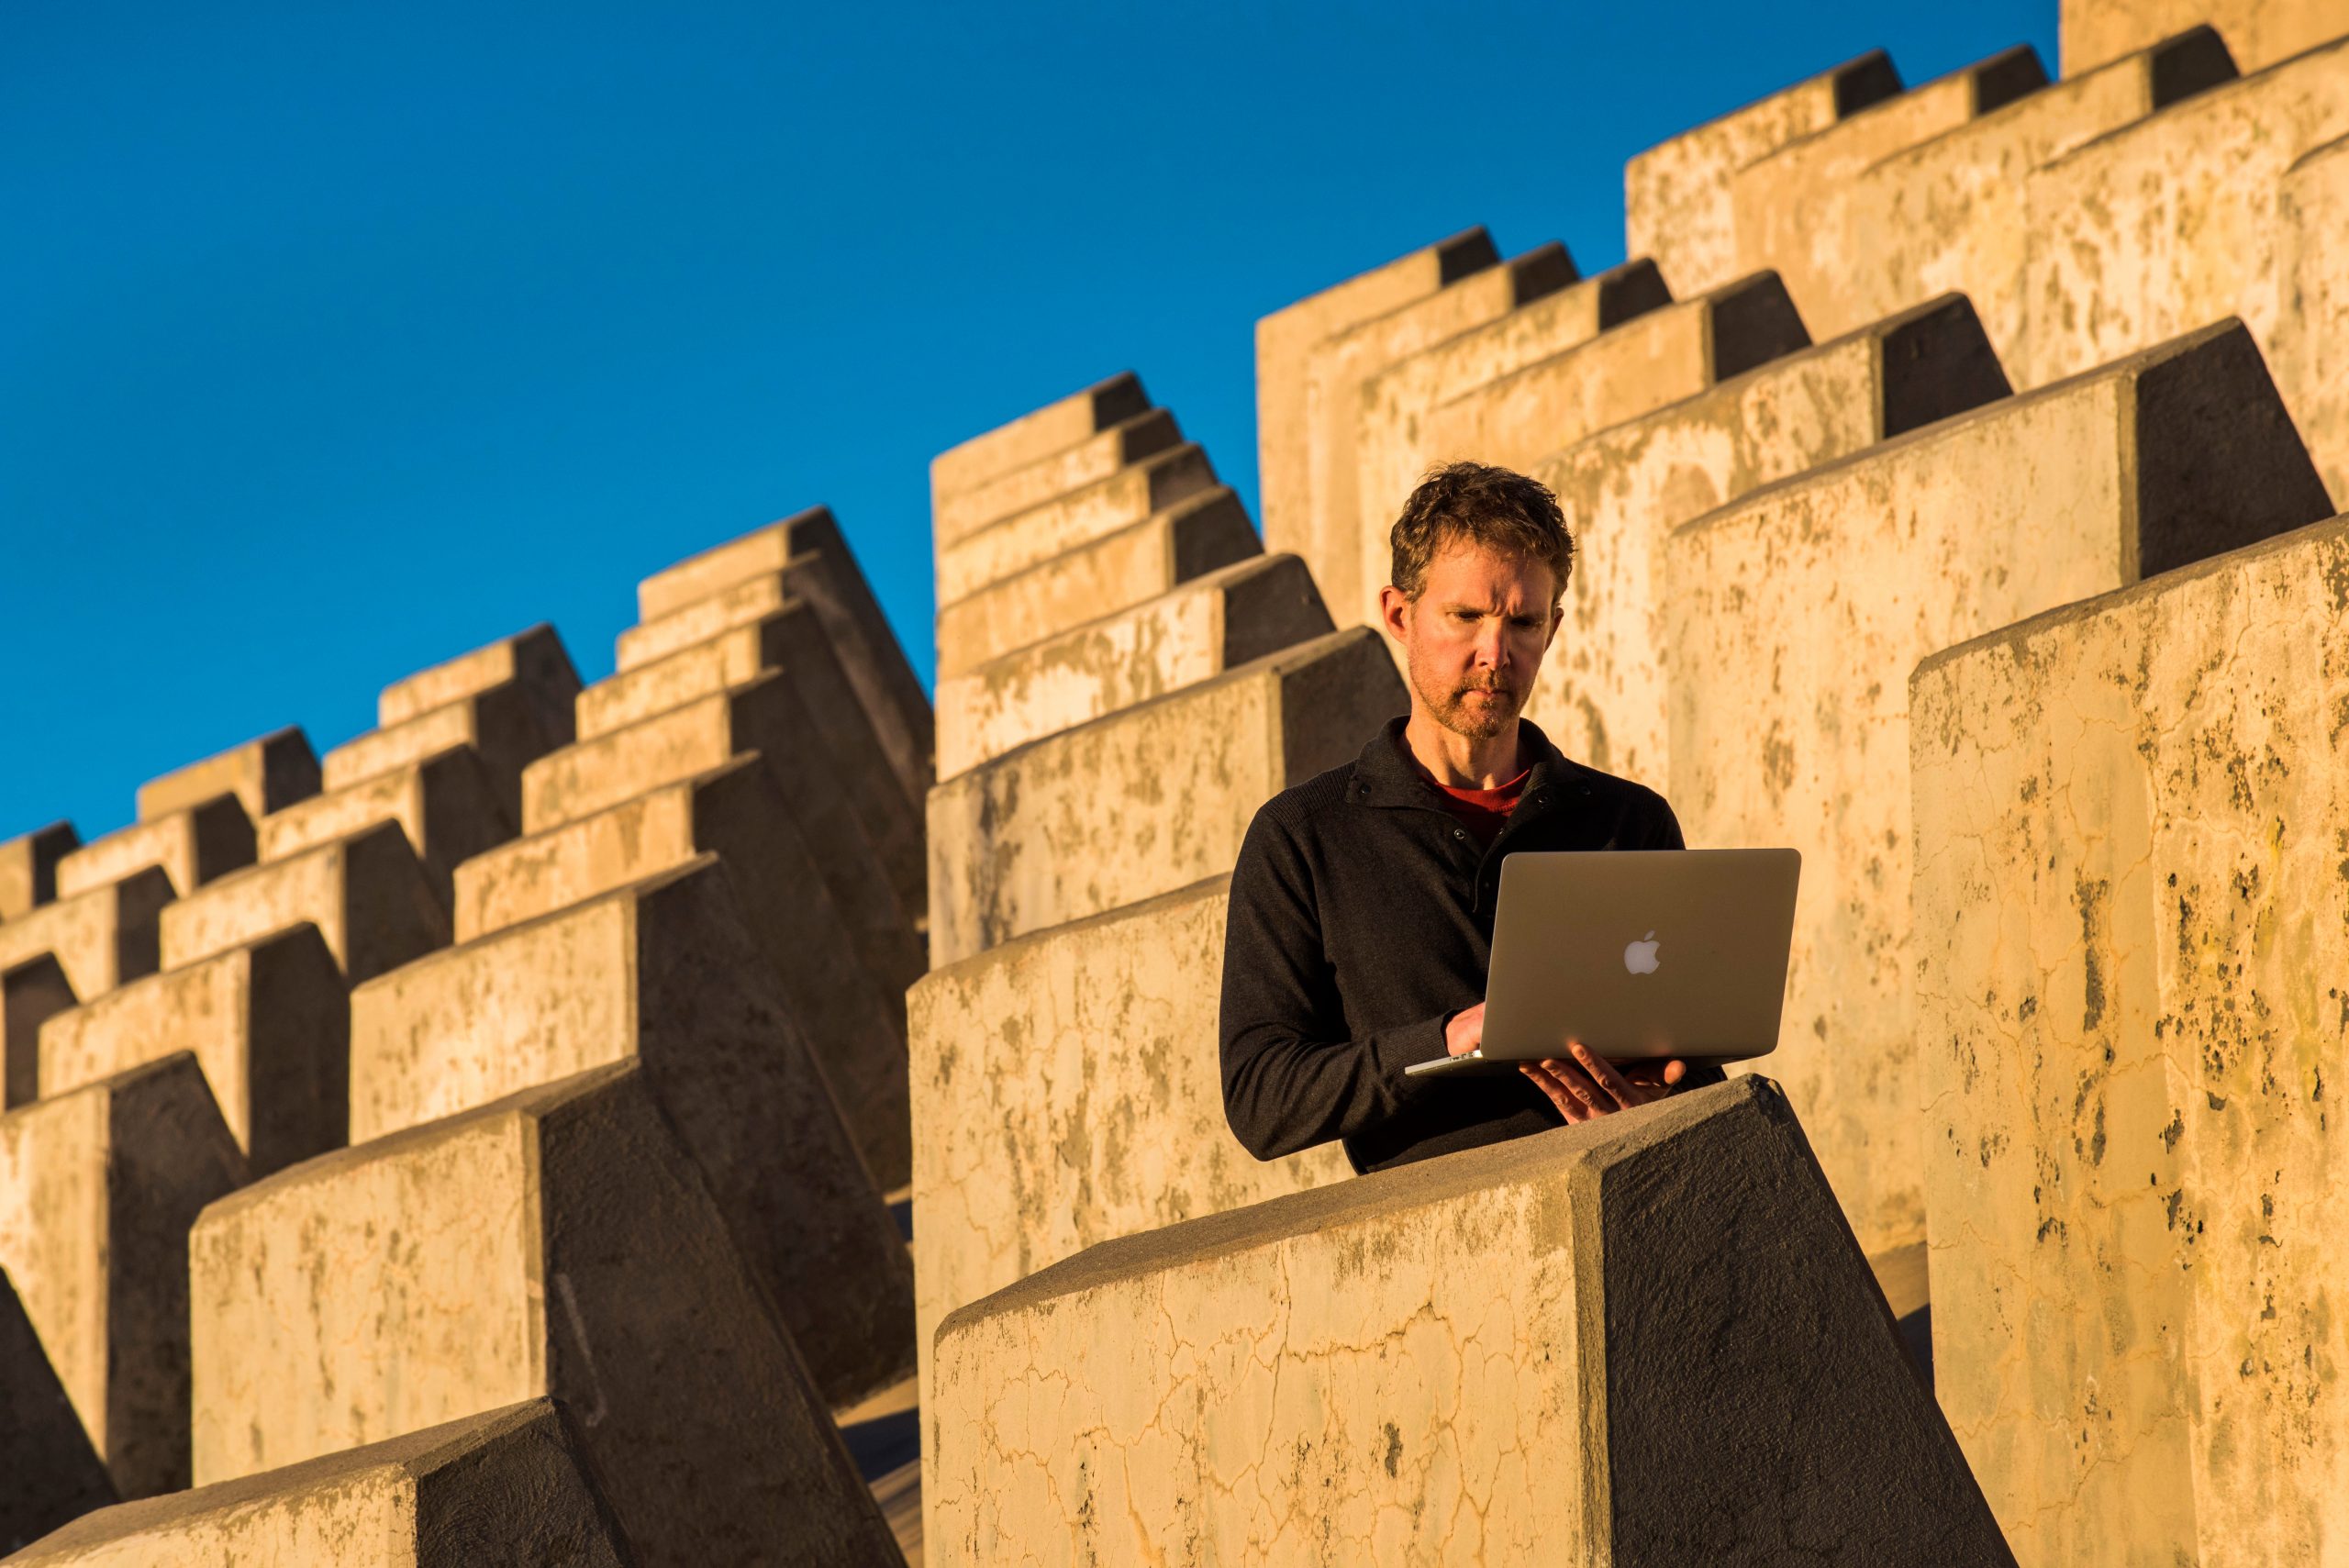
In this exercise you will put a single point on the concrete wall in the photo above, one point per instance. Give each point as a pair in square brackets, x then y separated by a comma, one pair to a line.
[1033, 437]
[48, 1473]
[1062, 522]
[267, 774]
[192, 846]
[368, 896]
[962, 513]
[29, 867]
[2260, 32]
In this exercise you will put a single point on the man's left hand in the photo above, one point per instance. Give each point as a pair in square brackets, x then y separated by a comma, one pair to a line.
[1583, 1085]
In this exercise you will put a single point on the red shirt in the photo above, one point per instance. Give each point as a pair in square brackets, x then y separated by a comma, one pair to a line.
[1484, 812]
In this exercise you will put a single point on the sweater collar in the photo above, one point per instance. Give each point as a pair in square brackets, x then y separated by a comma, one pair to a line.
[1382, 778]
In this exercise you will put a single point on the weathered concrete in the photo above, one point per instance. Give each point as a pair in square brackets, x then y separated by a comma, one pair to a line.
[512, 1486]
[368, 895]
[2312, 361]
[533, 660]
[803, 557]
[1322, 526]
[192, 846]
[29, 867]
[1207, 626]
[1677, 207]
[1147, 800]
[1013, 544]
[2131, 816]
[1647, 1339]
[767, 716]
[31, 993]
[1601, 692]
[508, 727]
[854, 1025]
[1190, 540]
[269, 1024]
[267, 774]
[1066, 1090]
[665, 974]
[78, 949]
[1286, 339]
[49, 1475]
[2260, 32]
[1795, 616]
[959, 514]
[555, 1243]
[97, 1190]
[1034, 437]
[450, 805]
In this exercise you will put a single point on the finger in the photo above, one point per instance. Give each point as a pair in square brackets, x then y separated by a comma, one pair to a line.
[1582, 1086]
[1606, 1075]
[1573, 1109]
[1674, 1071]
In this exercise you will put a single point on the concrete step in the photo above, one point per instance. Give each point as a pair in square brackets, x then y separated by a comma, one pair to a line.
[534, 661]
[450, 805]
[49, 1475]
[29, 867]
[1093, 457]
[508, 727]
[1066, 522]
[2258, 32]
[368, 895]
[75, 950]
[267, 774]
[192, 845]
[1051, 428]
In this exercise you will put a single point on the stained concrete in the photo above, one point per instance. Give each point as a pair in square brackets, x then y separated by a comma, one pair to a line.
[534, 661]
[854, 1025]
[508, 727]
[368, 895]
[29, 867]
[2132, 824]
[1011, 545]
[76, 950]
[98, 1187]
[1796, 615]
[267, 775]
[1601, 695]
[31, 993]
[1676, 206]
[269, 1023]
[1646, 1339]
[558, 1243]
[803, 557]
[961, 514]
[49, 1475]
[192, 846]
[1202, 628]
[2261, 32]
[662, 972]
[1188, 540]
[1147, 800]
[450, 806]
[511, 1487]
[1034, 437]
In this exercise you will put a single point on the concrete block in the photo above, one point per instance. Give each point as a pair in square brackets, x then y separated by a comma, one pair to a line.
[1286, 339]
[854, 1023]
[29, 867]
[508, 727]
[77, 948]
[49, 1475]
[1796, 615]
[1053, 428]
[1066, 522]
[511, 1487]
[192, 846]
[450, 806]
[1321, 527]
[31, 993]
[1066, 1088]
[665, 974]
[534, 661]
[803, 557]
[269, 1024]
[962, 513]
[267, 774]
[1601, 692]
[97, 1190]
[1208, 625]
[2091, 33]
[1189, 540]
[2132, 816]
[1645, 1339]
[557, 1243]
[1676, 206]
[368, 895]
[1147, 800]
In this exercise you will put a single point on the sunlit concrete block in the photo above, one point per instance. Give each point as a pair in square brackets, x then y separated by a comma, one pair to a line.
[97, 1189]
[2131, 819]
[75, 950]
[508, 727]
[534, 661]
[662, 972]
[1146, 800]
[1208, 625]
[49, 1475]
[1796, 615]
[1677, 207]
[29, 867]
[1119, 570]
[192, 846]
[2260, 32]
[962, 513]
[32, 992]
[267, 774]
[368, 895]
[1013, 544]
[1648, 1339]
[1053, 428]
[2311, 359]
[854, 1024]
[511, 1487]
[1600, 696]
[450, 805]
[269, 1024]
[557, 1243]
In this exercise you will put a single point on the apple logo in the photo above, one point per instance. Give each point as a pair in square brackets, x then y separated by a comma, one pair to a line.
[1640, 957]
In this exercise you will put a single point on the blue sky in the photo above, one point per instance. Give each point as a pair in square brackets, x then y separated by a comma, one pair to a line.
[341, 338]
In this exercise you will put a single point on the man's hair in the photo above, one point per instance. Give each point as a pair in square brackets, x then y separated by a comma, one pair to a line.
[1479, 504]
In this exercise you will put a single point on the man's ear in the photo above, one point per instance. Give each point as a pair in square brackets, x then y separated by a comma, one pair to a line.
[1393, 606]
[1557, 620]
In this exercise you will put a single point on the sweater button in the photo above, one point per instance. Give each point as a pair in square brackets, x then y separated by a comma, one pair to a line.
[1460, 832]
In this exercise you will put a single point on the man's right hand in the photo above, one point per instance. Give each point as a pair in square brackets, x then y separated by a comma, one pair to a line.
[1465, 1032]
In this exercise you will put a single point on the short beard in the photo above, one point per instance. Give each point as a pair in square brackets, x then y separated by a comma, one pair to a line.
[1477, 722]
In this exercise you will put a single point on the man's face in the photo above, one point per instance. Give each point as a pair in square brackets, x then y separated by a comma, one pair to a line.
[1473, 640]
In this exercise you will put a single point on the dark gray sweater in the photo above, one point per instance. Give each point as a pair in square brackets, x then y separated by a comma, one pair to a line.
[1361, 922]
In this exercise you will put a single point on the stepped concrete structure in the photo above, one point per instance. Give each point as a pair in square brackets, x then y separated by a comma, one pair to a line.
[267, 775]
[2260, 32]
[450, 805]
[194, 846]
[74, 950]
[49, 1475]
[368, 895]
[29, 867]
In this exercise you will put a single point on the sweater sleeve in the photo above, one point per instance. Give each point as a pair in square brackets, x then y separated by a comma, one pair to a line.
[1291, 1078]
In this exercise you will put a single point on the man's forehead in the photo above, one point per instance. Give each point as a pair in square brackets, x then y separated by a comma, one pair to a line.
[1464, 569]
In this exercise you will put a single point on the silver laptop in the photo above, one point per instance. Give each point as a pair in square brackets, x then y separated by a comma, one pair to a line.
[1641, 955]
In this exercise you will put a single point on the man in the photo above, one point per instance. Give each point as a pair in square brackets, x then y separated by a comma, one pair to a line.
[1361, 905]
